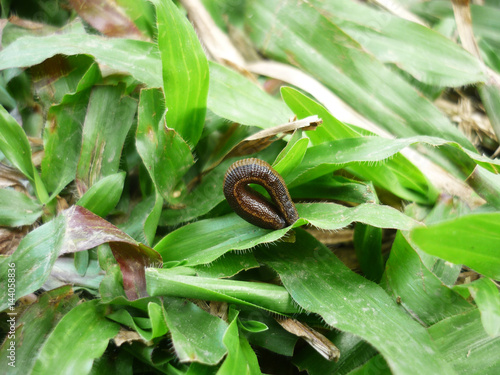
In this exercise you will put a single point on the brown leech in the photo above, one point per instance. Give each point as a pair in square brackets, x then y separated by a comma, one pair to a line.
[251, 205]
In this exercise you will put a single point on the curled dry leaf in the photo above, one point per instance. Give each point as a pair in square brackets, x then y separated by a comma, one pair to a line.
[318, 341]
[126, 336]
[262, 139]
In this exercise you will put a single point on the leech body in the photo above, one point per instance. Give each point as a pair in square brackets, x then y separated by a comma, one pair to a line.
[251, 205]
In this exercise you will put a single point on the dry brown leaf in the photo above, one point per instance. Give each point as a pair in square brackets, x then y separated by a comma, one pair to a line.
[318, 341]
[126, 336]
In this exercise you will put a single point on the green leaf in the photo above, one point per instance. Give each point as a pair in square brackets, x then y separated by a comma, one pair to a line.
[165, 154]
[234, 97]
[108, 120]
[164, 282]
[333, 155]
[411, 185]
[471, 240]
[465, 345]
[487, 297]
[143, 220]
[151, 223]
[230, 96]
[139, 59]
[17, 209]
[81, 336]
[398, 41]
[333, 216]
[303, 106]
[228, 265]
[354, 353]
[419, 291]
[377, 364]
[156, 321]
[363, 82]
[185, 72]
[490, 97]
[319, 282]
[486, 185]
[62, 140]
[240, 359]
[103, 196]
[33, 259]
[197, 336]
[15, 146]
[201, 200]
[368, 246]
[335, 188]
[33, 327]
[204, 241]
[291, 157]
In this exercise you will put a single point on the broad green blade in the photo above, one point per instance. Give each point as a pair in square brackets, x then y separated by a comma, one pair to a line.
[303, 106]
[319, 282]
[487, 297]
[327, 157]
[355, 76]
[228, 265]
[465, 345]
[108, 120]
[103, 196]
[490, 96]
[201, 200]
[331, 216]
[422, 52]
[275, 298]
[156, 324]
[486, 185]
[139, 59]
[410, 185]
[241, 359]
[419, 291]
[165, 154]
[63, 140]
[472, 240]
[230, 95]
[33, 259]
[81, 336]
[235, 98]
[368, 246]
[197, 336]
[335, 188]
[206, 240]
[33, 327]
[291, 158]
[143, 220]
[17, 209]
[14, 144]
[185, 72]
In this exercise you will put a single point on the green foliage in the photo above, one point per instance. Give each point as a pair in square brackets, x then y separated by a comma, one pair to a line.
[115, 136]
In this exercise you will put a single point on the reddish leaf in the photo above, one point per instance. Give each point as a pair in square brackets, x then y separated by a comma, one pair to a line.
[85, 230]
[107, 17]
